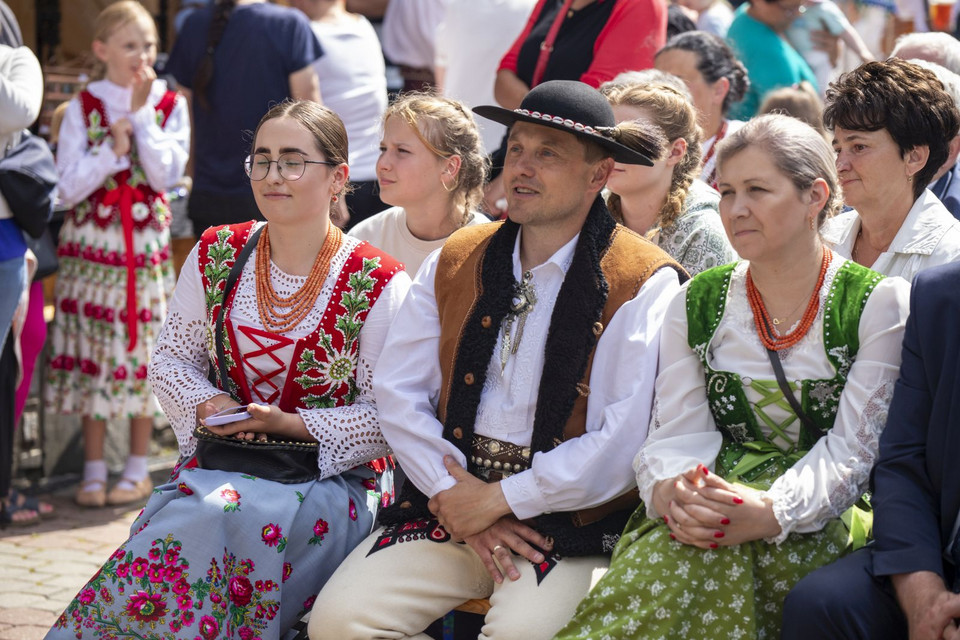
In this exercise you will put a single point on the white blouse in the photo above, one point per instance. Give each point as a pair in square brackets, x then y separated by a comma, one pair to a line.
[929, 236]
[834, 473]
[581, 472]
[163, 152]
[348, 435]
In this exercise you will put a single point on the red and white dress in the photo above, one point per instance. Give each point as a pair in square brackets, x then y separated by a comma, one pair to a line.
[115, 278]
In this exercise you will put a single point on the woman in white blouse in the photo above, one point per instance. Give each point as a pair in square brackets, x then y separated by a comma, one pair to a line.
[303, 327]
[744, 494]
[892, 124]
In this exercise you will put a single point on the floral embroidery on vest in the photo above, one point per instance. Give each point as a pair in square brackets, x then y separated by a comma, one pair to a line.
[220, 247]
[323, 369]
[105, 206]
[332, 375]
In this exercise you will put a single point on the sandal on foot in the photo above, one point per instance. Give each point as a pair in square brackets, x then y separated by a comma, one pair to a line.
[136, 491]
[91, 494]
[17, 516]
[44, 509]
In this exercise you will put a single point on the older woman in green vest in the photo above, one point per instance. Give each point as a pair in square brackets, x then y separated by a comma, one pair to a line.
[775, 376]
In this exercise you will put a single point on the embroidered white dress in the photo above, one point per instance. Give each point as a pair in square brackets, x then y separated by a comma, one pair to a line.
[115, 278]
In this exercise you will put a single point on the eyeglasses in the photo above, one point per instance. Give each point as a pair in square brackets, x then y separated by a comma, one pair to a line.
[290, 165]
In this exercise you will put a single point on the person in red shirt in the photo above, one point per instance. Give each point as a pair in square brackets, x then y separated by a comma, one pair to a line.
[587, 40]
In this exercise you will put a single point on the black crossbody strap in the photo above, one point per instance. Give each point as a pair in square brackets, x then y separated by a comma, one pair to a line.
[232, 278]
[805, 420]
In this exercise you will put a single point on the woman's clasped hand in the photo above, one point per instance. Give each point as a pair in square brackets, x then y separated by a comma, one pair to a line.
[704, 510]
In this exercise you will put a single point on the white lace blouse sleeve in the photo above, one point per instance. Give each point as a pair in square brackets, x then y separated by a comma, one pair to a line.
[682, 433]
[82, 169]
[834, 473]
[163, 151]
[178, 368]
[351, 435]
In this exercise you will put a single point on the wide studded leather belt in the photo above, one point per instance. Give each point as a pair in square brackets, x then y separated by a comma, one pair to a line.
[493, 460]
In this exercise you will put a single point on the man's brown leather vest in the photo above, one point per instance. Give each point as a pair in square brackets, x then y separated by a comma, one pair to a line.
[627, 264]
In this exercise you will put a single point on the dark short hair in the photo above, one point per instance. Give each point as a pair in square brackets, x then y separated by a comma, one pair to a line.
[715, 60]
[678, 21]
[905, 99]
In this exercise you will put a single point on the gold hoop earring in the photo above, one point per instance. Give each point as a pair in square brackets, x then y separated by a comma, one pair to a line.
[450, 189]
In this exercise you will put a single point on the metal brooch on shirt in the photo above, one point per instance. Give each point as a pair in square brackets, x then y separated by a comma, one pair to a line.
[521, 304]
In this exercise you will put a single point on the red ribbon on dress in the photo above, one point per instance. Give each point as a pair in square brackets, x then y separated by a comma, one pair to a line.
[125, 196]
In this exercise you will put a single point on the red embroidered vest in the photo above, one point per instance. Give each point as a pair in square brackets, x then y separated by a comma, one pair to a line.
[126, 197]
[322, 373]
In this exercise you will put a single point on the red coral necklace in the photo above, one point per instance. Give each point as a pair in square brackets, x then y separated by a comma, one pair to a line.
[763, 322]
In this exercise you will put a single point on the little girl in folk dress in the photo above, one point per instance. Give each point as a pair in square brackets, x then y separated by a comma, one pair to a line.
[124, 141]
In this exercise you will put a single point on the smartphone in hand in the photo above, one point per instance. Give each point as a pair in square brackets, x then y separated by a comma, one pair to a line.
[233, 414]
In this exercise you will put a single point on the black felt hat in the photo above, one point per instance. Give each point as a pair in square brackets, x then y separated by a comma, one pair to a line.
[569, 106]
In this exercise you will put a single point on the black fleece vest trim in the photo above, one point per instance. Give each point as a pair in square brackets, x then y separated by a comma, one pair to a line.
[570, 340]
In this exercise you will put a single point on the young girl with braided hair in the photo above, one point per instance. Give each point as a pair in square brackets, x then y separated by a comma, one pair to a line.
[666, 202]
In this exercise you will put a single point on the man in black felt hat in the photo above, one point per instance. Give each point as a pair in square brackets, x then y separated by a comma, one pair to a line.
[515, 389]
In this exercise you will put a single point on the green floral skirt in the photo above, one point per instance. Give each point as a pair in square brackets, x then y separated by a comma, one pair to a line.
[658, 588]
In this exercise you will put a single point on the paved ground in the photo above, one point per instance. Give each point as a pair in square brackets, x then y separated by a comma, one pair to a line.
[42, 567]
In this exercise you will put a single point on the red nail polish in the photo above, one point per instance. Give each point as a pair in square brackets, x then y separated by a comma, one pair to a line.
[725, 521]
[737, 500]
[673, 537]
[666, 520]
[718, 534]
[706, 471]
[714, 545]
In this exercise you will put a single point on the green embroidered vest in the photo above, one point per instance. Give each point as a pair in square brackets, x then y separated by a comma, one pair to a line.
[747, 453]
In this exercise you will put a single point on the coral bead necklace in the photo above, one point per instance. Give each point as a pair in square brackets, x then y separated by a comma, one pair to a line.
[279, 314]
[763, 322]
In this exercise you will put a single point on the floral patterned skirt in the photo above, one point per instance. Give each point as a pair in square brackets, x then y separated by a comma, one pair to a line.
[657, 588]
[216, 554]
[91, 371]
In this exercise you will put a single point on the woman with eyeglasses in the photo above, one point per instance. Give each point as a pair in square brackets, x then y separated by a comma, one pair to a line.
[231, 554]
[757, 38]
[431, 168]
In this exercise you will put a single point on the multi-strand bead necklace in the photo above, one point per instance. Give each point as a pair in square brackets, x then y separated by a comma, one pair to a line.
[762, 319]
[279, 314]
